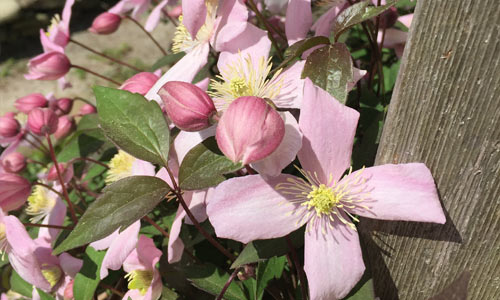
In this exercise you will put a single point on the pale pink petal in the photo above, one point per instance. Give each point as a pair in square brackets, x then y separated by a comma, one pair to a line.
[48, 45]
[232, 11]
[298, 20]
[66, 13]
[147, 252]
[332, 261]
[323, 26]
[203, 84]
[70, 265]
[194, 15]
[393, 37]
[154, 16]
[139, 8]
[399, 49]
[406, 20]
[120, 8]
[405, 192]
[357, 75]
[286, 151]
[142, 168]
[120, 248]
[175, 244]
[328, 128]
[185, 141]
[198, 206]
[249, 208]
[292, 90]
[184, 70]
[56, 217]
[105, 242]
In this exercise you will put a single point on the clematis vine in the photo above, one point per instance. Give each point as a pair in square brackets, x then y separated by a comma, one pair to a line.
[253, 207]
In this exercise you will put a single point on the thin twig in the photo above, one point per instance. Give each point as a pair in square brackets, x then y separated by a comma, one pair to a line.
[84, 100]
[298, 267]
[48, 187]
[149, 34]
[227, 284]
[96, 74]
[46, 225]
[112, 289]
[39, 142]
[91, 160]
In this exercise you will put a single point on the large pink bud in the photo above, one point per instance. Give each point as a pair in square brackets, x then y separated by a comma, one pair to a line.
[27, 103]
[48, 66]
[62, 106]
[188, 106]
[87, 109]
[42, 121]
[9, 127]
[65, 126]
[140, 83]
[105, 23]
[249, 130]
[14, 162]
[14, 191]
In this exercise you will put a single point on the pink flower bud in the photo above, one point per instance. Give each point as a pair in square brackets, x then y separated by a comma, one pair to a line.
[140, 83]
[249, 130]
[66, 170]
[14, 191]
[14, 162]
[175, 12]
[9, 127]
[87, 109]
[65, 126]
[42, 121]
[27, 103]
[388, 18]
[188, 106]
[48, 66]
[62, 106]
[105, 23]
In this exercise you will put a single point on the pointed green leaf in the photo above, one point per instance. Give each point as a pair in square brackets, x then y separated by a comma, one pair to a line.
[331, 69]
[19, 285]
[88, 278]
[204, 166]
[267, 271]
[363, 290]
[43, 295]
[121, 204]
[211, 279]
[134, 124]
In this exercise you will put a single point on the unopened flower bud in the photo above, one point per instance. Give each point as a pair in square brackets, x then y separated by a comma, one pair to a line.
[48, 66]
[14, 191]
[62, 106]
[66, 170]
[87, 109]
[105, 23]
[9, 127]
[140, 83]
[188, 106]
[388, 18]
[65, 126]
[249, 130]
[42, 121]
[14, 162]
[27, 103]
[175, 11]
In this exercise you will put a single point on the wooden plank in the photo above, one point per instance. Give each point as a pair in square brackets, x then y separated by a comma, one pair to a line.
[445, 112]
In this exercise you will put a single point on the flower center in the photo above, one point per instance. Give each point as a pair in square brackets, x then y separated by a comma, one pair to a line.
[3, 240]
[239, 86]
[140, 280]
[52, 273]
[53, 23]
[120, 166]
[39, 203]
[322, 198]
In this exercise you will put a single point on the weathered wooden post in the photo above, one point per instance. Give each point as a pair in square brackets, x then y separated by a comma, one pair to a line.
[445, 111]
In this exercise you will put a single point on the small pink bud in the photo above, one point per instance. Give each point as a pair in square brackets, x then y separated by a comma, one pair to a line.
[27, 103]
[48, 66]
[249, 130]
[105, 23]
[188, 106]
[14, 191]
[9, 127]
[62, 106]
[68, 291]
[388, 18]
[65, 126]
[140, 83]
[175, 12]
[42, 121]
[14, 162]
[66, 170]
[87, 109]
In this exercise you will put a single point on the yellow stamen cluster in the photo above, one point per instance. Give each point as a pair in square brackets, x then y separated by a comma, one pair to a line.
[322, 199]
[243, 78]
[140, 280]
[120, 166]
[3, 240]
[40, 204]
[53, 23]
[52, 273]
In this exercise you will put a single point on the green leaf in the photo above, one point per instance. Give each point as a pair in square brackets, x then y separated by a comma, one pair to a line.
[88, 278]
[267, 271]
[44, 295]
[121, 204]
[167, 60]
[261, 250]
[363, 290]
[168, 294]
[133, 123]
[211, 279]
[331, 69]
[356, 14]
[19, 285]
[204, 166]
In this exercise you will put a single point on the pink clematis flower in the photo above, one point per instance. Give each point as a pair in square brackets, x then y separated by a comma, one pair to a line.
[252, 207]
[125, 6]
[57, 36]
[144, 279]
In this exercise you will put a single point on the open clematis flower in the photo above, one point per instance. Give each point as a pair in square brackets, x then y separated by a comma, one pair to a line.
[142, 274]
[252, 207]
[57, 35]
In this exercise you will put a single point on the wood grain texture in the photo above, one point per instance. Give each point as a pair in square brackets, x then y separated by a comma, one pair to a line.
[445, 111]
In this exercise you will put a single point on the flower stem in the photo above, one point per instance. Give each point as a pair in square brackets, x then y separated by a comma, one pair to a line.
[91, 160]
[49, 187]
[84, 100]
[149, 34]
[61, 181]
[228, 283]
[209, 238]
[96, 74]
[46, 225]
[40, 142]
[112, 289]
[298, 266]
[106, 56]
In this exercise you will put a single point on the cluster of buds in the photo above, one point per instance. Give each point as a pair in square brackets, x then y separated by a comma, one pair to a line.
[248, 131]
